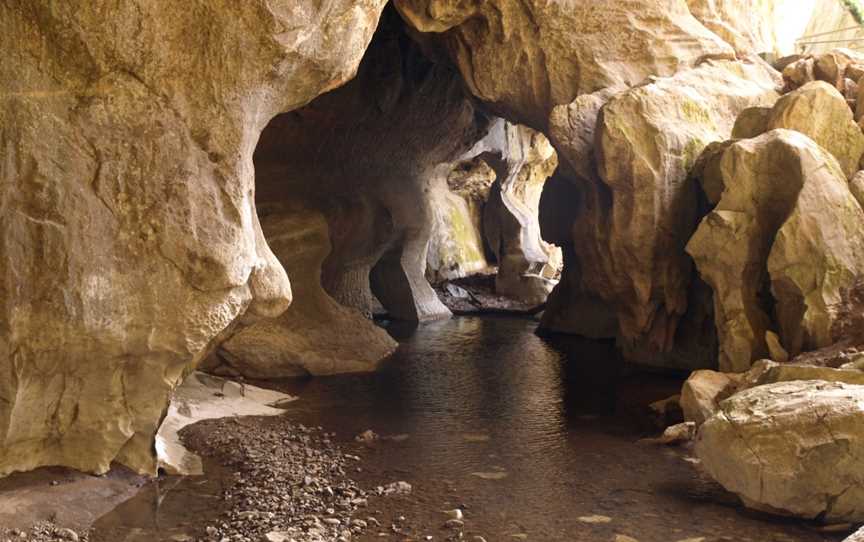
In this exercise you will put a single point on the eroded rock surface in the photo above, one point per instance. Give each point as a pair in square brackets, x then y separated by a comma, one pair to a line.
[756, 236]
[316, 335]
[819, 111]
[128, 233]
[633, 218]
[523, 58]
[367, 156]
[792, 448]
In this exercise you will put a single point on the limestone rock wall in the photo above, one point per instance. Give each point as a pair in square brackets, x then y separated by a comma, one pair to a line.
[370, 156]
[635, 206]
[128, 234]
[522, 58]
[316, 335]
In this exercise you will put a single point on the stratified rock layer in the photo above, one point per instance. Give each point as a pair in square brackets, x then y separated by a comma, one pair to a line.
[128, 234]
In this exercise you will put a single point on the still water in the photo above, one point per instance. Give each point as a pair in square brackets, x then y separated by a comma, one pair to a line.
[537, 438]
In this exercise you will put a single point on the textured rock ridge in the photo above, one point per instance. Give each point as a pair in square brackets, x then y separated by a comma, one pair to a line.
[522, 58]
[637, 209]
[128, 234]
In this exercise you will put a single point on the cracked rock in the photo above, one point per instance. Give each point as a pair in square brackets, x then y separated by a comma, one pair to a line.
[793, 448]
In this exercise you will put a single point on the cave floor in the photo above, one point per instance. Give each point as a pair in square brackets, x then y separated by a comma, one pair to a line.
[534, 440]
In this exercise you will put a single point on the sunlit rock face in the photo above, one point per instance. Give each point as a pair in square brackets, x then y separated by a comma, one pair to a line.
[522, 58]
[367, 157]
[128, 233]
[782, 249]
[756, 26]
[635, 206]
[793, 448]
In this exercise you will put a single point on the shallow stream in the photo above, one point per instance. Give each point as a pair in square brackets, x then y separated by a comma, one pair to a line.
[536, 438]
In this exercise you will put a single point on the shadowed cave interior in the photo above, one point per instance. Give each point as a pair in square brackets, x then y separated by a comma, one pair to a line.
[558, 271]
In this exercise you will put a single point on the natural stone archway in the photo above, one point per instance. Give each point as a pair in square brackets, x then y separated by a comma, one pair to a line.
[344, 190]
[129, 236]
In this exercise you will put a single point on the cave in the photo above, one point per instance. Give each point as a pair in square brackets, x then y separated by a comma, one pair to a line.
[431, 270]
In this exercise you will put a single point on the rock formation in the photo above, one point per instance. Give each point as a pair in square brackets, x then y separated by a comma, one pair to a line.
[756, 238]
[791, 448]
[522, 58]
[641, 206]
[498, 213]
[128, 234]
[316, 335]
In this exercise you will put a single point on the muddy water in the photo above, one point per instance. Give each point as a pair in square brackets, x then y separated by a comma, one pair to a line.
[537, 439]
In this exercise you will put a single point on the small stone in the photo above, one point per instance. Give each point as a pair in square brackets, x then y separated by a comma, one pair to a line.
[594, 519]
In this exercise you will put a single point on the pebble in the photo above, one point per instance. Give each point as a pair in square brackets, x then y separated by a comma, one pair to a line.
[594, 519]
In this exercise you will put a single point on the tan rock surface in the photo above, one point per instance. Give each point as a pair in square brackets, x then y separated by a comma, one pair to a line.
[633, 222]
[316, 335]
[128, 233]
[526, 264]
[525, 57]
[750, 26]
[792, 448]
[819, 111]
[702, 391]
[763, 178]
[816, 264]
[752, 122]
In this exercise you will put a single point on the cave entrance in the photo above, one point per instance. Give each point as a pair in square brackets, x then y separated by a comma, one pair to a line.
[380, 189]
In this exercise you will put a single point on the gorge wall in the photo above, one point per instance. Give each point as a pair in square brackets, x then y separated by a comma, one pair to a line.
[166, 171]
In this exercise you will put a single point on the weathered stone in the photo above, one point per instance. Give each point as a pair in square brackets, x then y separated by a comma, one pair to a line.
[645, 206]
[128, 234]
[819, 111]
[763, 178]
[707, 170]
[523, 58]
[315, 335]
[799, 73]
[816, 264]
[523, 159]
[702, 391]
[389, 158]
[456, 247]
[857, 536]
[750, 26]
[792, 448]
[770, 373]
[856, 186]
[752, 122]
[775, 347]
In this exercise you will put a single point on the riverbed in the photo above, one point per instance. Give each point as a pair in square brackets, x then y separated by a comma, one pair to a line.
[533, 439]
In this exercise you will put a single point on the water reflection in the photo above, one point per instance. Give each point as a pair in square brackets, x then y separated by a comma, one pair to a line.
[532, 432]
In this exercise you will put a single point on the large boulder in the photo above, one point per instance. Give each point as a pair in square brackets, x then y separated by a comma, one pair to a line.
[792, 448]
[632, 220]
[819, 111]
[702, 391]
[524, 57]
[128, 234]
[786, 219]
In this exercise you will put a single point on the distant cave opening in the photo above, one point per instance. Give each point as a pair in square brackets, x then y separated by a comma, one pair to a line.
[377, 190]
